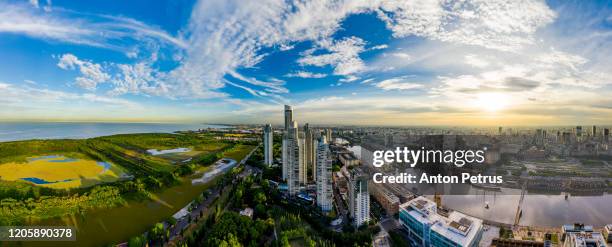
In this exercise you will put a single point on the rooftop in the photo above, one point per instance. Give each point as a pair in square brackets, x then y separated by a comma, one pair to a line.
[456, 226]
[586, 239]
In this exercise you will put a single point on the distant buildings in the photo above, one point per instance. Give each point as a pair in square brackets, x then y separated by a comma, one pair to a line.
[268, 144]
[324, 176]
[358, 197]
[429, 227]
[578, 131]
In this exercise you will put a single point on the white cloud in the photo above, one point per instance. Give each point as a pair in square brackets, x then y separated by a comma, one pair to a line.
[343, 56]
[106, 31]
[92, 74]
[379, 47]
[28, 95]
[139, 78]
[224, 36]
[503, 25]
[306, 74]
[402, 55]
[398, 83]
[349, 78]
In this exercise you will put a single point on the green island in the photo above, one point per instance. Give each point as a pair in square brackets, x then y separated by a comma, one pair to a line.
[109, 188]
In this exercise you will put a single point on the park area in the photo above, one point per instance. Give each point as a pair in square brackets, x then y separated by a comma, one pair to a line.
[61, 172]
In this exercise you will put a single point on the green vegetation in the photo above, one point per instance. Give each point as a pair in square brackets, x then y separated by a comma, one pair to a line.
[397, 240]
[119, 209]
[275, 222]
[589, 162]
[505, 233]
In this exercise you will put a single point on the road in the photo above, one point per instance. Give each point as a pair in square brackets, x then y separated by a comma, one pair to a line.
[182, 223]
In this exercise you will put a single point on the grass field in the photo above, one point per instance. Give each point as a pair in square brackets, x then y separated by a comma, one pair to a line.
[60, 172]
[238, 152]
[113, 225]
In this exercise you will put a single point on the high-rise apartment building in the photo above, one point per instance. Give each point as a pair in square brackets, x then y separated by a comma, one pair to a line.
[328, 135]
[268, 136]
[578, 131]
[288, 124]
[324, 176]
[309, 152]
[359, 197]
[288, 117]
[291, 159]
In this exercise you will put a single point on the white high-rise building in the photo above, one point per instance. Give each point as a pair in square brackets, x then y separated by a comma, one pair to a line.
[268, 144]
[359, 197]
[291, 162]
[302, 160]
[324, 176]
[288, 123]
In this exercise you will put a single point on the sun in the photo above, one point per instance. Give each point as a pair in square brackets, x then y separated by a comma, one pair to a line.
[492, 102]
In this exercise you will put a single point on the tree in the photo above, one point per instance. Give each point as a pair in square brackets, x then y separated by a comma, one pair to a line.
[260, 198]
[137, 241]
[157, 232]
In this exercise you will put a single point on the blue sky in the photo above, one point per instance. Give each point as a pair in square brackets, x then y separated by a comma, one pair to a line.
[462, 62]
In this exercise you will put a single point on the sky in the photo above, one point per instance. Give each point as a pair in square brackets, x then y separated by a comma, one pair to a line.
[350, 62]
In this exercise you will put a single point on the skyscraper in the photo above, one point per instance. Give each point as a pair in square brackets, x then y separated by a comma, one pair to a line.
[268, 144]
[324, 176]
[578, 131]
[606, 134]
[309, 152]
[288, 117]
[594, 131]
[359, 198]
[328, 135]
[291, 162]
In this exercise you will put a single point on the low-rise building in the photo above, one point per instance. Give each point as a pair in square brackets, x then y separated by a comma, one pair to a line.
[388, 200]
[584, 239]
[608, 233]
[248, 212]
[579, 235]
[426, 226]
[348, 159]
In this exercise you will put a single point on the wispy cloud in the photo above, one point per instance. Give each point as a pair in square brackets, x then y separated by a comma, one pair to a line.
[399, 83]
[105, 31]
[306, 74]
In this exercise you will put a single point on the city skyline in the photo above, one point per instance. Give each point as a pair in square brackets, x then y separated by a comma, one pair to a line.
[454, 63]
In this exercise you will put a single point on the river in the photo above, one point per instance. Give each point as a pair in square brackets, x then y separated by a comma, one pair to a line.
[545, 210]
[47, 130]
